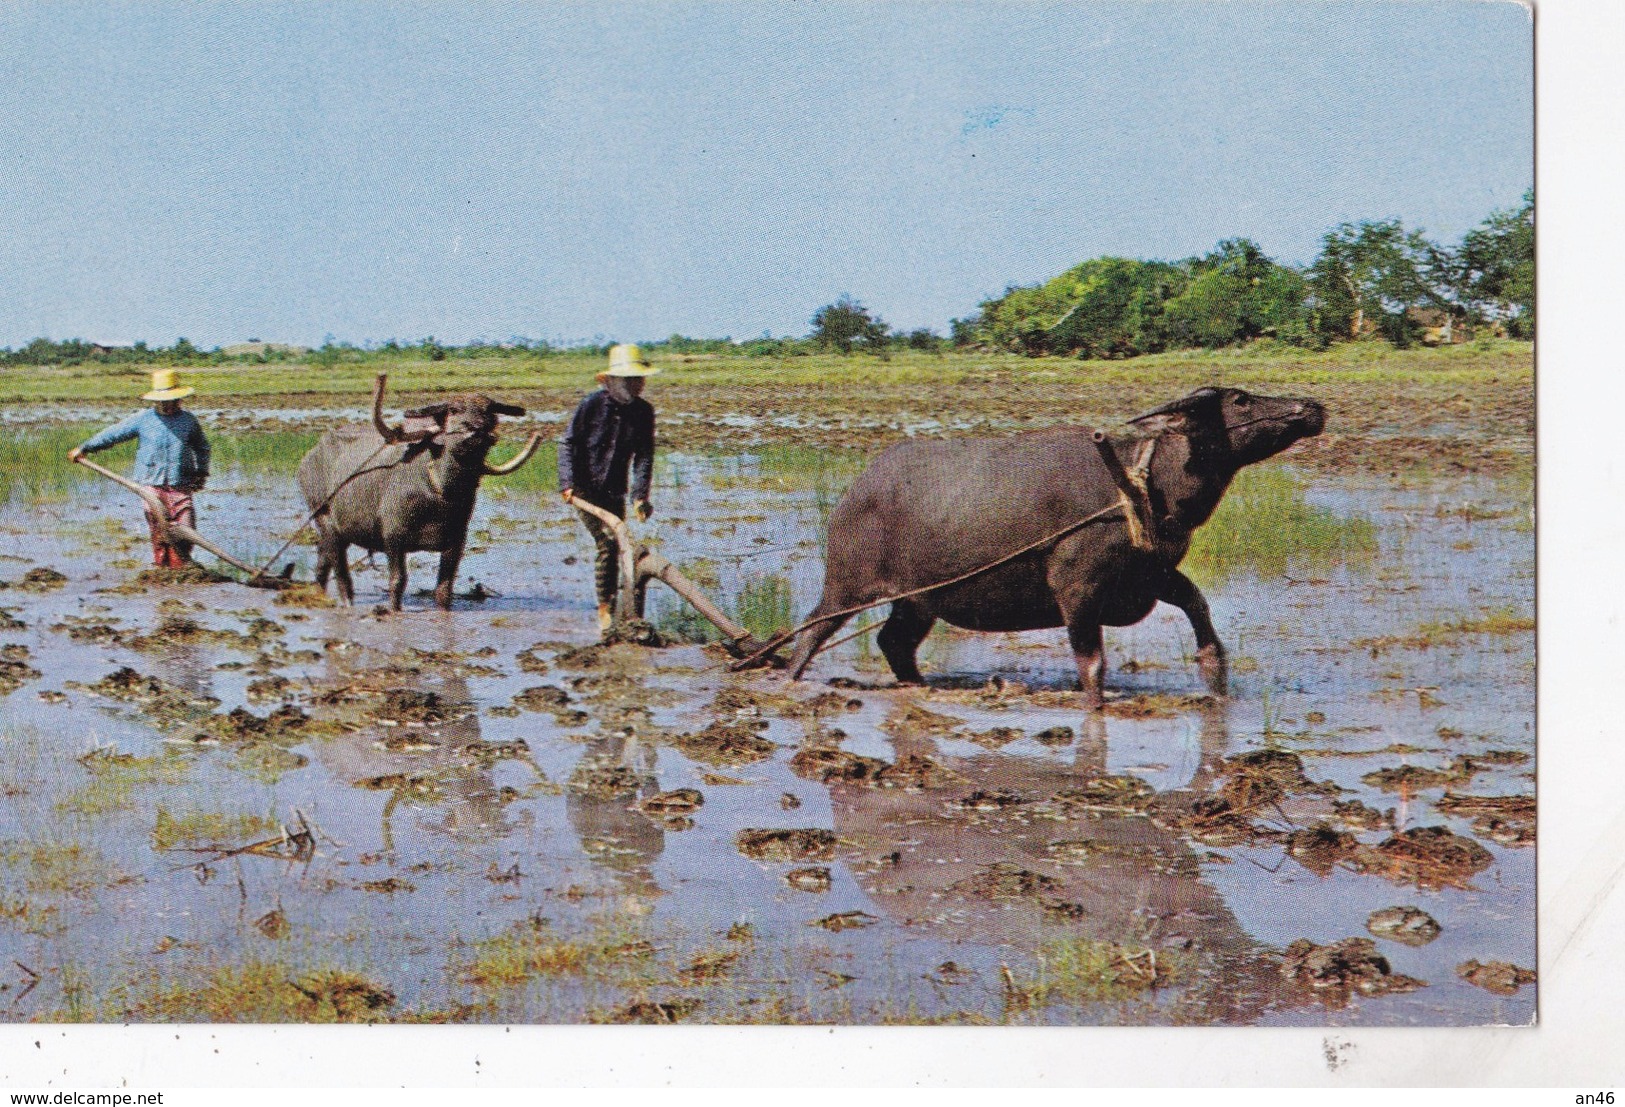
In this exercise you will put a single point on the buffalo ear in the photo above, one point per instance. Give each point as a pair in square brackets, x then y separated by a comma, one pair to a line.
[1154, 423]
[1176, 417]
[512, 410]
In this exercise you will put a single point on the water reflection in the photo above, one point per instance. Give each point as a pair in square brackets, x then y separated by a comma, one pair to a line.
[600, 802]
[1011, 854]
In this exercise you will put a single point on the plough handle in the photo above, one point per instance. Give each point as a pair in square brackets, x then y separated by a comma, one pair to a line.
[156, 508]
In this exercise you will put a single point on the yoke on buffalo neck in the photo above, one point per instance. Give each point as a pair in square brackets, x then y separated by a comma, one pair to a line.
[1206, 437]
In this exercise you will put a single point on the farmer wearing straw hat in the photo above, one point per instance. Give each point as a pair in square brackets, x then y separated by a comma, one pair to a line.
[172, 458]
[612, 433]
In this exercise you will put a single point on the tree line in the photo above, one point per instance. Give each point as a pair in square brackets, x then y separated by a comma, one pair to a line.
[1372, 279]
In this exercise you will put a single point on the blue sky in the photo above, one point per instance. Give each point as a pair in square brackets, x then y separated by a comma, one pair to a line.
[623, 171]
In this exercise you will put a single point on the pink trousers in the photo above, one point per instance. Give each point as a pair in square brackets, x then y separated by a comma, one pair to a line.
[178, 505]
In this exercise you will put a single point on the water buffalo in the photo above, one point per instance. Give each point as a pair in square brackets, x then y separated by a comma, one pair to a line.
[403, 488]
[928, 512]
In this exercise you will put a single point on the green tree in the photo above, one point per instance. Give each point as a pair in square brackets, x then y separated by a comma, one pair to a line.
[1495, 268]
[1235, 294]
[1369, 275]
[846, 325]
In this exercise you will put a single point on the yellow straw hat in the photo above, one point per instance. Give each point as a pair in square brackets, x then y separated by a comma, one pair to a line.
[166, 386]
[628, 361]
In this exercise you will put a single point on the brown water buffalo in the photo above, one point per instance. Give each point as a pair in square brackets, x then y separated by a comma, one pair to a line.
[929, 512]
[404, 488]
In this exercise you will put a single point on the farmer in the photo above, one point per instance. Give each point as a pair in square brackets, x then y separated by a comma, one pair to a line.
[612, 431]
[172, 458]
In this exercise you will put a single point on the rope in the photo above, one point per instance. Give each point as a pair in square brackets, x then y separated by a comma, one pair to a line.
[359, 469]
[784, 636]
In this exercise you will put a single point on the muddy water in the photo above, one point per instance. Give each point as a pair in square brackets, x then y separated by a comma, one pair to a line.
[482, 857]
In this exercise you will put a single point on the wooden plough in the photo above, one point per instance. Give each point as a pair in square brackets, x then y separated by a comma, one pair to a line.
[639, 565]
[155, 507]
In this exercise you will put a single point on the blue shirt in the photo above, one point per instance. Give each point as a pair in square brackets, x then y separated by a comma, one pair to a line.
[172, 453]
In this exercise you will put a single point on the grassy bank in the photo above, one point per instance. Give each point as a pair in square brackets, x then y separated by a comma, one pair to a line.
[413, 372]
[1463, 408]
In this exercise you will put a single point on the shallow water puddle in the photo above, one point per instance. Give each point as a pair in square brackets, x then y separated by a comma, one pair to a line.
[454, 809]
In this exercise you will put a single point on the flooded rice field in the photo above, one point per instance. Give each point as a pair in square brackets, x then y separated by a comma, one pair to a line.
[221, 803]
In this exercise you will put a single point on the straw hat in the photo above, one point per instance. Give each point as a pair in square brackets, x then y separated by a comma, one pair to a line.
[166, 386]
[628, 361]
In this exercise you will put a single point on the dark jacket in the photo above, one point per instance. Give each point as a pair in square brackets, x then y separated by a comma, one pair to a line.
[603, 441]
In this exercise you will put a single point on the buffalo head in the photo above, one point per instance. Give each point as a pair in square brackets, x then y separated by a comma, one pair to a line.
[1231, 427]
[456, 432]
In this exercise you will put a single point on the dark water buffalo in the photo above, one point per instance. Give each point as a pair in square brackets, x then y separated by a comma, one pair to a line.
[926, 512]
[403, 489]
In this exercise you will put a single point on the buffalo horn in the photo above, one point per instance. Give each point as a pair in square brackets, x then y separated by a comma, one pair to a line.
[517, 460]
[386, 432]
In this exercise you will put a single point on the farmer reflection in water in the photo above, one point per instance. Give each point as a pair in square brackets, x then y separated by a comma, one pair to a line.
[172, 459]
[612, 432]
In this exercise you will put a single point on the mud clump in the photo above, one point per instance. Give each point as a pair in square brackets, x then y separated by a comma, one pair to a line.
[152, 695]
[674, 804]
[995, 800]
[826, 765]
[190, 574]
[304, 595]
[997, 738]
[1357, 815]
[914, 772]
[95, 632]
[914, 721]
[531, 661]
[549, 699]
[1506, 820]
[1320, 847]
[1055, 737]
[807, 844]
[175, 630]
[1409, 926]
[1006, 880]
[343, 995]
[605, 782]
[269, 687]
[1427, 856]
[652, 1013]
[1155, 707]
[1352, 965]
[409, 707]
[726, 743]
[286, 723]
[845, 920]
[1213, 821]
[1265, 777]
[1500, 977]
[633, 632]
[1409, 778]
[814, 878]
[42, 579]
[14, 669]
[1105, 794]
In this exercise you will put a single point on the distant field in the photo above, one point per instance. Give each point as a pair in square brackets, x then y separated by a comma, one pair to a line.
[1466, 407]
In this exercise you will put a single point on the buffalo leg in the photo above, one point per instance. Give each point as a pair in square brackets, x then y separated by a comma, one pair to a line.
[341, 574]
[813, 637]
[449, 560]
[899, 640]
[1178, 590]
[1089, 651]
[397, 578]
